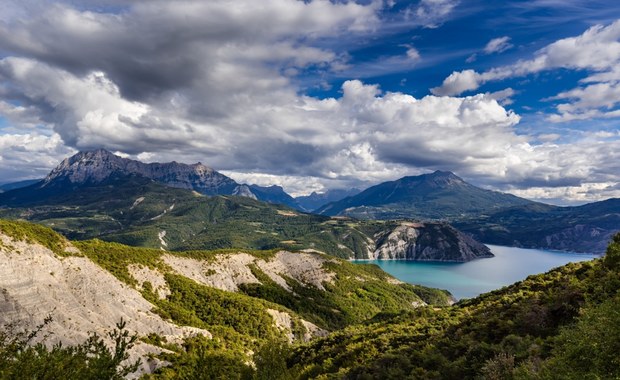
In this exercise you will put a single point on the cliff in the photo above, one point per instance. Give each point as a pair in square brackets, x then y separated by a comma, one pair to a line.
[427, 242]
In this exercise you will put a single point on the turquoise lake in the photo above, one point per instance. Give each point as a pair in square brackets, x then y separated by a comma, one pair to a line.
[467, 280]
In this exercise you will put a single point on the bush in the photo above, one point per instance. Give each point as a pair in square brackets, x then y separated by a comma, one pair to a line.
[21, 359]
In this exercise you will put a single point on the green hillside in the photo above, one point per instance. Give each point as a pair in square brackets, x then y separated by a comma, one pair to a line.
[563, 324]
[135, 211]
[240, 321]
[139, 212]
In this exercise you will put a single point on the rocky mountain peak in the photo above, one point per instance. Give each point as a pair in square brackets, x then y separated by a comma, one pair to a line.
[202, 169]
[97, 166]
[443, 179]
[101, 167]
[91, 166]
[244, 191]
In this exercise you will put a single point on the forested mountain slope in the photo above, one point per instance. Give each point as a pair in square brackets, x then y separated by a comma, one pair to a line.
[563, 324]
[140, 212]
[224, 303]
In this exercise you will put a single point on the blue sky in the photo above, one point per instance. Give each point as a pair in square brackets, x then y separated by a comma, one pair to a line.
[517, 96]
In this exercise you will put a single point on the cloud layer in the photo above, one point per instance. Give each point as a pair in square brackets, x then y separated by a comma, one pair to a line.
[219, 82]
[596, 51]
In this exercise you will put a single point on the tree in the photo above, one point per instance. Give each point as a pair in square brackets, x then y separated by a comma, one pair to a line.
[270, 361]
[612, 256]
[589, 349]
[20, 358]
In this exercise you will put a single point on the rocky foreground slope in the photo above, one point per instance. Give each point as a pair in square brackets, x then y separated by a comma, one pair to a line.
[242, 299]
[79, 295]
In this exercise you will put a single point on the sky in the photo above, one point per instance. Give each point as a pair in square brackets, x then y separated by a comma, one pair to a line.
[515, 96]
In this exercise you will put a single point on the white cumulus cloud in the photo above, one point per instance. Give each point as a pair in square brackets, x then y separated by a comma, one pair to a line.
[206, 81]
[597, 51]
[498, 45]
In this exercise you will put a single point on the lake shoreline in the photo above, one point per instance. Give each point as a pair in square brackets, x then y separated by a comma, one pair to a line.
[472, 278]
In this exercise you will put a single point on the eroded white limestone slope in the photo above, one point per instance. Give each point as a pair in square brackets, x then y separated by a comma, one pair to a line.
[80, 296]
[228, 271]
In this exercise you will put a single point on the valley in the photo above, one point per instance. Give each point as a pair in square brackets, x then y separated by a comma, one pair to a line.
[309, 190]
[208, 277]
[96, 194]
[241, 299]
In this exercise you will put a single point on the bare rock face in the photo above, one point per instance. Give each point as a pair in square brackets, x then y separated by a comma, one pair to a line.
[427, 242]
[244, 191]
[80, 296]
[97, 166]
[284, 322]
[228, 271]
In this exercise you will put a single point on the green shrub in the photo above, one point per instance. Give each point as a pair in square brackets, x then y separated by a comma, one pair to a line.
[34, 233]
[21, 359]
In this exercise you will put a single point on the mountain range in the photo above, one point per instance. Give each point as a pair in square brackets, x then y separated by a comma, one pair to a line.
[438, 195]
[98, 166]
[99, 195]
[488, 216]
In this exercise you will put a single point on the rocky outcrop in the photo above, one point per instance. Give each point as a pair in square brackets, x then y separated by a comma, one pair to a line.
[144, 274]
[79, 295]
[228, 271]
[427, 242]
[579, 238]
[244, 191]
[284, 322]
[97, 166]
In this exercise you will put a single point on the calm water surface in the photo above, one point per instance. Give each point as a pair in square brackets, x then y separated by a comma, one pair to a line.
[466, 280]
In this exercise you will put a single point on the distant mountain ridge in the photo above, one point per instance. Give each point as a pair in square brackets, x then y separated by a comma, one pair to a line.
[489, 216]
[438, 195]
[100, 166]
[586, 228]
[316, 200]
[16, 185]
[94, 167]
